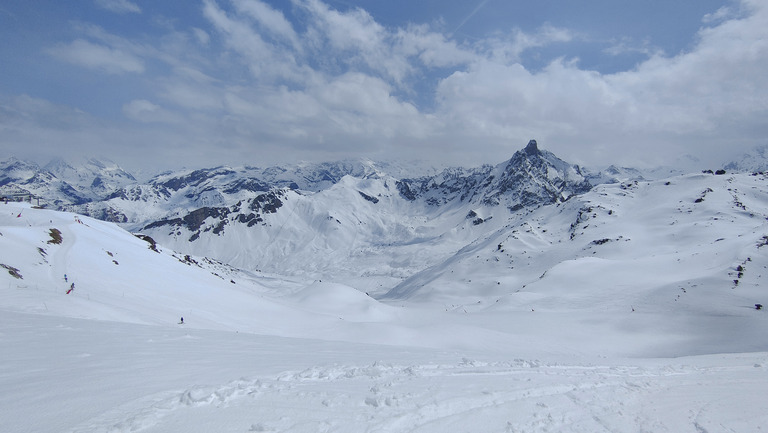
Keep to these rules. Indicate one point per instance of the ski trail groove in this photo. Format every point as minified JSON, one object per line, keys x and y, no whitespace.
{"x":381,"y":397}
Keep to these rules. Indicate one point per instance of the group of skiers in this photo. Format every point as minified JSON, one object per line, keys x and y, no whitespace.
{"x":71,"y":286}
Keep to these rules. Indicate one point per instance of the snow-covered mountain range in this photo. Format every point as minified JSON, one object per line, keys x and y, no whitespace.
{"x":363,"y":222}
{"x":61,"y":184}
{"x":531,"y":295}
{"x":105,"y":191}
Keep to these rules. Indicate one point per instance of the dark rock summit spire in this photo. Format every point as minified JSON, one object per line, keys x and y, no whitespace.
{"x":532,"y":148}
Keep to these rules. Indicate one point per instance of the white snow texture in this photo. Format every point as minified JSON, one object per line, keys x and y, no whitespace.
{"x":630,"y":308}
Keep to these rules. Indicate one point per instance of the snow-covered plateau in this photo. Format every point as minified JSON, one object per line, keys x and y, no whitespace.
{"x":625,"y":307}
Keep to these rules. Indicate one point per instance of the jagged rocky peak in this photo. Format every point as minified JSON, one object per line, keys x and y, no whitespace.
{"x":532,"y":148}
{"x":534,"y":177}
{"x":531,"y":177}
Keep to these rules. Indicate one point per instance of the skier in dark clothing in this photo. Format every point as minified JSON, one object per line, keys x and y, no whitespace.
{"x":182,"y":321}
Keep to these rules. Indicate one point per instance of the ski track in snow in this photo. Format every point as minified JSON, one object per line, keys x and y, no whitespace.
{"x":517,"y":396}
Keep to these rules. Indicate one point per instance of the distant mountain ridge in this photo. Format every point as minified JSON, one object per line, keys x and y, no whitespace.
{"x":322,"y":218}
{"x":354,"y":222}
{"x":101,"y":189}
{"x":312,"y":218}
{"x":61,"y":184}
{"x":104,"y":190}
{"x":756,"y":160}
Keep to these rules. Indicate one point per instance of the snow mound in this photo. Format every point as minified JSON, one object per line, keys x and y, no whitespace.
{"x":342,"y":301}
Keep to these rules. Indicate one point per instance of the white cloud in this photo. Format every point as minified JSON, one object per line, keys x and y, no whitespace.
{"x":20,"y":111}
{"x":357,"y":40}
{"x":354,"y":30}
{"x":270,"y":19}
{"x":341,"y":82}
{"x":692,"y":102}
{"x":507,"y":48}
{"x":362,"y":105}
{"x":193,"y":96}
{"x":119,"y":6}
{"x":267,"y":62}
{"x":430,"y":48}
{"x":333,"y":42}
{"x":201,"y":35}
{"x":350,"y":110}
{"x":627,"y":45}
{"x":37,"y":129}
{"x":95,"y":56}
{"x":719,"y":15}
{"x":145,"y":111}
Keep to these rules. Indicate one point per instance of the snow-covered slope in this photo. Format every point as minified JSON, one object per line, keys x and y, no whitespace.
{"x":69,"y":265}
{"x":110,"y":355}
{"x":348,"y":228}
{"x":690,"y":248}
{"x":695,"y":225}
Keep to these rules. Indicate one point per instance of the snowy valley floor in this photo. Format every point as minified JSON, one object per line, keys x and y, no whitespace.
{"x":62,"y":374}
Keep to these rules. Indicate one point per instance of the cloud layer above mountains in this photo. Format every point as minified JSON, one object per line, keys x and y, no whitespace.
{"x":250,"y":82}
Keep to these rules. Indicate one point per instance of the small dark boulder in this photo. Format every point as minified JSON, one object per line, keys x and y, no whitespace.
{"x":149,"y":240}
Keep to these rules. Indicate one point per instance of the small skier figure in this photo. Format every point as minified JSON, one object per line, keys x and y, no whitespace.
{"x":182,"y":321}
{"x":71,"y":288}
{"x":65,"y":278}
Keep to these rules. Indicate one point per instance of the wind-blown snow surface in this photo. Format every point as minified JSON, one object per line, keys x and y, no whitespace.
{"x":530,"y":328}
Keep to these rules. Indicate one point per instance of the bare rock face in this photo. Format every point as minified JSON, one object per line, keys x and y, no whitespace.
{"x":532,"y":148}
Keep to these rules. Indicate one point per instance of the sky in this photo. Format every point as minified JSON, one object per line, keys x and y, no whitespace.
{"x":199,"y":83}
